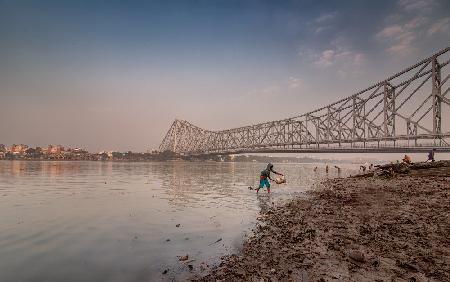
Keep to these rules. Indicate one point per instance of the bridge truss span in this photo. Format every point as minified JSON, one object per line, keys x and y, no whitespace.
{"x":408,"y":111}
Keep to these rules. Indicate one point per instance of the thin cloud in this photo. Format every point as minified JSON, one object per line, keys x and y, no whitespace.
{"x":280,"y":88}
{"x":344,"y":62}
{"x":274,"y":89}
{"x":294,"y":82}
{"x":359,"y":59}
{"x":416,"y":22}
{"x":323,"y":22}
{"x":401,"y":37}
{"x":326,"y":17}
{"x":441,"y":26}
{"x":413,"y":21}
{"x":403,"y":45}
{"x":321,"y":28}
{"x":330,"y":58}
{"x":417,"y":5}
{"x":326,"y":59}
{"x":267,"y":91}
{"x":390,"y":31}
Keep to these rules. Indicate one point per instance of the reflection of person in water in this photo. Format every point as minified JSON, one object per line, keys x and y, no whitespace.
{"x":264,"y":203}
{"x":265,"y":177}
{"x":338,"y":170}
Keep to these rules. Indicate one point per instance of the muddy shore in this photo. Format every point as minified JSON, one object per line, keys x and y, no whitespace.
{"x":354,"y":229}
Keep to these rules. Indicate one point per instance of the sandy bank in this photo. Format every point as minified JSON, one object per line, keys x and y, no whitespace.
{"x":353,"y":229}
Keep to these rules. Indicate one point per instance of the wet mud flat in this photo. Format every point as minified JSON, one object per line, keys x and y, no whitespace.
{"x":354,"y":229}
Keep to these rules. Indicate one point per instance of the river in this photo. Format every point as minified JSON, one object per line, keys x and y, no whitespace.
{"x":117,"y":221}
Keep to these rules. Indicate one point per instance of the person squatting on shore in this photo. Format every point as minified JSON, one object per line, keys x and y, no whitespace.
{"x":407,"y":159}
{"x":265,"y":175}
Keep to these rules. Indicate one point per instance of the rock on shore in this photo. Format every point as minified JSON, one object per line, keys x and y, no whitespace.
{"x":353,"y":229}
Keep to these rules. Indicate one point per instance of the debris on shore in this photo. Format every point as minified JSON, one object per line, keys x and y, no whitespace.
{"x":354,"y":229}
{"x":439,"y":168}
{"x":217,"y":241}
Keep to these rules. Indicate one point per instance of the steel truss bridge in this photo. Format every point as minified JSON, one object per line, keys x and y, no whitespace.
{"x":406,"y":112}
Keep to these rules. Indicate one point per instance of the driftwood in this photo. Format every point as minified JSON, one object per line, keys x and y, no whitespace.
{"x":396,"y":168}
{"x":413,"y":166}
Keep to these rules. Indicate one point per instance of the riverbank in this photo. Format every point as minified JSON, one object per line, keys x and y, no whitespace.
{"x":392,"y":228}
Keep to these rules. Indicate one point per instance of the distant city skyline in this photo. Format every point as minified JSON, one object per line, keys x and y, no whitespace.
{"x":114,"y":75}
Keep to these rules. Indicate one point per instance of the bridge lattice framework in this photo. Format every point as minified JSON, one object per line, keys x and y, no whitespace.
{"x":408,"y":111}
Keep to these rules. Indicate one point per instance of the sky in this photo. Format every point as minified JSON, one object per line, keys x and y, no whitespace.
{"x":113,"y":75}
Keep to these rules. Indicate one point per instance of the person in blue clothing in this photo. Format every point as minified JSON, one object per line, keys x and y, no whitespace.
{"x":265,"y":177}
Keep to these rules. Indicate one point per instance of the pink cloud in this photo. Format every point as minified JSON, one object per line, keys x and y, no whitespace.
{"x":417,"y":5}
{"x":443,"y":25}
{"x":390,"y":31}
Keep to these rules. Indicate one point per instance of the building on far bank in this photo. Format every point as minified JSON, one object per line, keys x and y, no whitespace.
{"x":2,"y":151}
{"x":18,"y":149}
{"x":79,"y":151}
{"x":33,"y":153}
{"x":55,"y":149}
{"x":114,"y":155}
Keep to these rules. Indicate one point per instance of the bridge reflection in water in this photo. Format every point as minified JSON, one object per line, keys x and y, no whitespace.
{"x":408,"y":111}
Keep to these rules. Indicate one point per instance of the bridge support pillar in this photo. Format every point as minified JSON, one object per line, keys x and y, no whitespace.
{"x":359,"y":132}
{"x":329,"y":124}
{"x":175,"y":139}
{"x":436,"y":96}
{"x":389,"y":110}
{"x":411,"y":130}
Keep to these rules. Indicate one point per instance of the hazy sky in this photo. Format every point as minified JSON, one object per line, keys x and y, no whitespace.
{"x":114,"y":74}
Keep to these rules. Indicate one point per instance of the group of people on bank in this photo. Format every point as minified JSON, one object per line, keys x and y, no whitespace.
{"x":264,"y":177}
{"x":407,"y":159}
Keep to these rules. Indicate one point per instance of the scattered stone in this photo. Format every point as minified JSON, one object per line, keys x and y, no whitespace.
{"x":178,"y":225}
{"x":375,"y":263}
{"x":406,"y":265}
{"x":183,"y":258}
{"x":357,"y":256}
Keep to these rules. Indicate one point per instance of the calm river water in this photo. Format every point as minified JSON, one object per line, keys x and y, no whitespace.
{"x":111,"y":221}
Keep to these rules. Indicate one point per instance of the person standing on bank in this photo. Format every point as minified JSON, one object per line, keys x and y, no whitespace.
{"x":431,"y":155}
{"x":265,"y":177}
